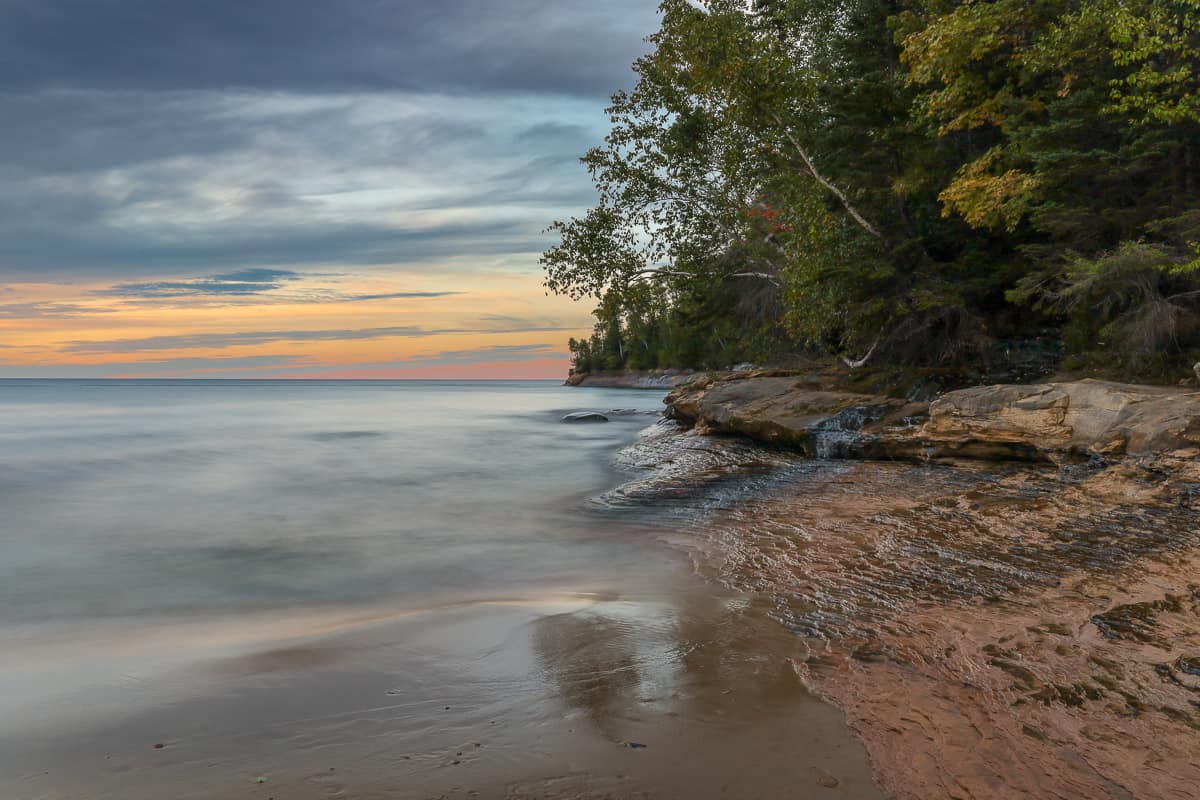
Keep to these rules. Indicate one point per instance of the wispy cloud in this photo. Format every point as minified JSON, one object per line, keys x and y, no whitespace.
{"x":243,"y":282}
{"x":231,"y":366}
{"x":393,"y":296}
{"x":195,"y":341}
{"x":500,"y":352}
{"x":48,"y":310}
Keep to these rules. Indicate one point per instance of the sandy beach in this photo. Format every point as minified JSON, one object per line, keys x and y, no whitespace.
{"x":678,"y":692}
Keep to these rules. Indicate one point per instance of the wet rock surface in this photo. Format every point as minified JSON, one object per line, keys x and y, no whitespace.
{"x":1022,"y":632}
{"x":1009,"y":608}
{"x":786,"y":411}
{"x":1046,"y":422}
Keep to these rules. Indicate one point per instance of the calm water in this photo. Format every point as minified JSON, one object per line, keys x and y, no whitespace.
{"x":171,"y":516}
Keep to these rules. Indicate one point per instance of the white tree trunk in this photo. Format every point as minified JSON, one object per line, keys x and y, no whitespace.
{"x":862,"y":361}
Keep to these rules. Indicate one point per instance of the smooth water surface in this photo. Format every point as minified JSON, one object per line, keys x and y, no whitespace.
{"x":159,"y":506}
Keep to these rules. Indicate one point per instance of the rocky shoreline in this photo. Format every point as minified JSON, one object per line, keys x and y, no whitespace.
{"x":632,"y":379}
{"x":1051,"y":422}
{"x":998,"y":586}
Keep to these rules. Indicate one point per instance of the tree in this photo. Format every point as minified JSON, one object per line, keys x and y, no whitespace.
{"x":915,"y":180}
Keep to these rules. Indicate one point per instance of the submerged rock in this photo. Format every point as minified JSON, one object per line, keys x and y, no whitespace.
{"x":585,"y":416}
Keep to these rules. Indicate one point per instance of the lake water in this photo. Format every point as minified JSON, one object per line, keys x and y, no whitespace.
{"x":204,"y":583}
{"x":174,"y":503}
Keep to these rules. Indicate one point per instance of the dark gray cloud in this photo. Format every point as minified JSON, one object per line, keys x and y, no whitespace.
{"x":259,"y":282}
{"x":572,"y":47}
{"x":209,"y":150}
{"x":101,"y":248}
{"x":242,"y":282}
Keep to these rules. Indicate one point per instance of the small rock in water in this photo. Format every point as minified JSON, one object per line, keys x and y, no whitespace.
{"x":585,"y":416}
{"x":828,"y":781}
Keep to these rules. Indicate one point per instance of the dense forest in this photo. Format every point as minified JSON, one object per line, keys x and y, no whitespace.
{"x":917,"y":182}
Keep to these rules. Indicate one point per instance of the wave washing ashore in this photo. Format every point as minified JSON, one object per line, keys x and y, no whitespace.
{"x":1011,"y":608}
{"x":225,"y":590}
{"x":384,"y":590}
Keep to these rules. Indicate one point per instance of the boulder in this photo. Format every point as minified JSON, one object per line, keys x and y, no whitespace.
{"x":585,"y":416}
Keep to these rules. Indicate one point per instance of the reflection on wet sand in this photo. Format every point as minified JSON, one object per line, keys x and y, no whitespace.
{"x":669,"y":691}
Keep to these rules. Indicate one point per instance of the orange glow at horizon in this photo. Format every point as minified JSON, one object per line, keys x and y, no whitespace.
{"x":498,"y":325}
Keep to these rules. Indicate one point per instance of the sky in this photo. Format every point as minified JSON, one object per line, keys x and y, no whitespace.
{"x":297,"y":188}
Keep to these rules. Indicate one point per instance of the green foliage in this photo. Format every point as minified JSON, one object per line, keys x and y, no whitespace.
{"x":1137,"y":303}
{"x":916,"y":178}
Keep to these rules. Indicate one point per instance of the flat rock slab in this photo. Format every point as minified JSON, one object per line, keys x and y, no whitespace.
{"x":1002,"y":422}
{"x":788,"y":412}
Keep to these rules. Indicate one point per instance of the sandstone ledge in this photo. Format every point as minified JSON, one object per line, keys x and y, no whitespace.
{"x":1051,"y":421}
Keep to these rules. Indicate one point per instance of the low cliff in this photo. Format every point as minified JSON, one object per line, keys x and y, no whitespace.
{"x":1050,"y":421}
{"x":631,"y":379}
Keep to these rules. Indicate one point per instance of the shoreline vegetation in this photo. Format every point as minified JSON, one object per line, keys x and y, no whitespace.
{"x":1001,"y":189}
{"x":968,"y":235}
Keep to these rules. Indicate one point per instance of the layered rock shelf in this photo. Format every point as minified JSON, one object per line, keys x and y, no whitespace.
{"x":1040,"y":422}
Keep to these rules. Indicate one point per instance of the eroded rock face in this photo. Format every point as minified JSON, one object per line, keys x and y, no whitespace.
{"x":1004,"y":422}
{"x":1086,"y":417}
{"x":630,"y":379}
{"x":783,"y":411}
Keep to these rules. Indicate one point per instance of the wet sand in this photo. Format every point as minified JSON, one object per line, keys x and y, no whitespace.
{"x":992,"y":632}
{"x":674,"y":691}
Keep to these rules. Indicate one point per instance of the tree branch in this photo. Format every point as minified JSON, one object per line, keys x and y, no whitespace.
{"x":766,"y":276}
{"x":862,"y":361}
{"x":821,"y":179}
